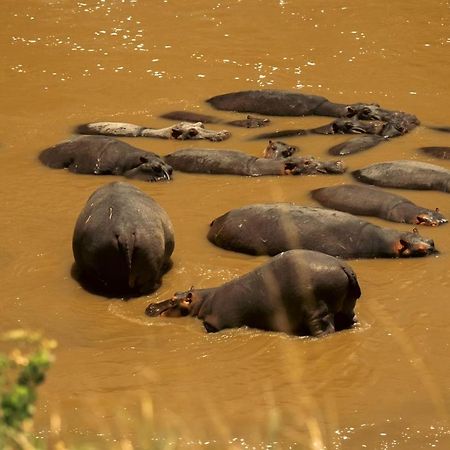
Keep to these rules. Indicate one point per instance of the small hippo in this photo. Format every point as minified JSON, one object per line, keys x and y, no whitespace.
{"x":180,"y":131}
{"x":372,"y":201}
{"x":122,"y":242}
{"x":437,"y":152}
{"x":232,"y":162}
{"x":269,"y":229}
{"x":279,"y":150}
{"x":406,"y":175}
{"x":298,"y":292}
{"x":101,"y":155}
{"x":356,"y":145}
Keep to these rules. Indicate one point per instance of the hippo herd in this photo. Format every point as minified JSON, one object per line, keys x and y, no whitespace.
{"x":123,"y":240}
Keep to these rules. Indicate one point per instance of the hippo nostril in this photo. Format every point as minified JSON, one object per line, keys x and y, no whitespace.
{"x":192,"y":132}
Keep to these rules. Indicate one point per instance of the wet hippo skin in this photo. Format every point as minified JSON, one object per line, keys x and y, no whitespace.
{"x":298,"y":292}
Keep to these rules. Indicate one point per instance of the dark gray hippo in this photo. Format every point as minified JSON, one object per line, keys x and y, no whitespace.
{"x":356,"y":145}
{"x":181,"y":131}
{"x":372,"y":201}
{"x":100,"y":155}
{"x":298,"y":292}
{"x":269,"y":229}
{"x":437,"y":152}
{"x":122,"y":242}
{"x":406,"y":175}
{"x":233,"y":162}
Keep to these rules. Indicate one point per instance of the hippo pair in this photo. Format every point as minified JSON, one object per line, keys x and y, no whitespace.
{"x":105,"y":155}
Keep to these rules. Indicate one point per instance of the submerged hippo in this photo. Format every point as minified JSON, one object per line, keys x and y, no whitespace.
{"x":279,"y":150}
{"x":437,"y":152}
{"x":269,"y":229}
{"x":100,"y":155}
{"x":406,"y":175}
{"x":356,"y":145}
{"x":180,"y":131}
{"x":371,"y":201}
{"x":123,"y":241}
{"x":189,"y":116}
{"x":298,"y":292}
{"x":232,"y":162}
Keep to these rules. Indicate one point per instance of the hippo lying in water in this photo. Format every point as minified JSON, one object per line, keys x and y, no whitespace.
{"x":437,"y":152}
{"x":405,"y":175}
{"x":371,"y":201}
{"x":269,"y":229}
{"x":298,"y":292}
{"x":122,"y":242}
{"x":232,"y":162}
{"x":180,"y":131}
{"x":100,"y":155}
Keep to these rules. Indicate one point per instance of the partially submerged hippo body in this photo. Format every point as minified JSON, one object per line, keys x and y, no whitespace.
{"x":269,"y":229}
{"x":372,"y":201}
{"x":406,"y":175}
{"x":122,"y":242}
{"x":437,"y":152}
{"x":100,"y":155}
{"x":298,"y":292}
{"x":356,"y":145}
{"x":181,"y":131}
{"x":232,"y":162}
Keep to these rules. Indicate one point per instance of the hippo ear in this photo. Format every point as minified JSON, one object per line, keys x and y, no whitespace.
{"x":189,"y":297}
{"x":143,"y":159}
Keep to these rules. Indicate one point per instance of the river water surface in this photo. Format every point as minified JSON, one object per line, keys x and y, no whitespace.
{"x":124,"y":380}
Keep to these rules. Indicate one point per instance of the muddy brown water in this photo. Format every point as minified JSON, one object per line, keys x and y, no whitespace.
{"x":123,"y":380}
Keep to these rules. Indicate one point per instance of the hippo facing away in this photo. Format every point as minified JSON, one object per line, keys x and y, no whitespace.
{"x":298,"y":292}
{"x":122,"y":242}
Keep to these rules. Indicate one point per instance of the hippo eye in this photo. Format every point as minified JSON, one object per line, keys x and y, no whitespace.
{"x":173,"y":302}
{"x":192,"y":132}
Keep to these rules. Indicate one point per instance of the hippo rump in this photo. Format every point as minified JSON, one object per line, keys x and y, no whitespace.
{"x":298,"y":292}
{"x":181,"y":131}
{"x":371,"y":201}
{"x":269,"y":229}
{"x":100,"y":155}
{"x":232,"y":162}
{"x":122,"y":242}
{"x":406,"y":175}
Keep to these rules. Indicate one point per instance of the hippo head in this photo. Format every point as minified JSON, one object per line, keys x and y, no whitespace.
{"x":178,"y":306}
{"x":412,"y":244}
{"x":150,"y":170}
{"x":279,"y":150}
{"x":431,"y":218}
{"x":363,"y":111}
{"x":309,"y":166}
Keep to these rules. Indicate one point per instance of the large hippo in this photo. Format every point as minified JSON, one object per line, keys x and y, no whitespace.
{"x":298,"y":292}
{"x":232,"y":162}
{"x":181,"y":131}
{"x":100,"y":155}
{"x":406,"y":175}
{"x":372,"y":201}
{"x":269,"y":229}
{"x":122,"y":242}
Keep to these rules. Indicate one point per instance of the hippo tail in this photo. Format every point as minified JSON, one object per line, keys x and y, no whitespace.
{"x":126,"y":249}
{"x":354,"y":291}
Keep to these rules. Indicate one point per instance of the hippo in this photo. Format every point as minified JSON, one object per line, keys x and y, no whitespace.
{"x":405,"y":174}
{"x":122,"y":242}
{"x":269,"y":229}
{"x":339,"y":126}
{"x":101,"y":155}
{"x":356,"y":145}
{"x":189,"y":116}
{"x":437,"y":152}
{"x":180,"y":131}
{"x":279,"y":150}
{"x":372,"y":201}
{"x":298,"y":292}
{"x":233,"y":162}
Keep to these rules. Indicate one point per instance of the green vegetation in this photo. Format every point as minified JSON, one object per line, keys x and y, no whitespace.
{"x":22,"y":370}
